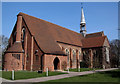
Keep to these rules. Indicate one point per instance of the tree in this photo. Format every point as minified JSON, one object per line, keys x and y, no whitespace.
{"x":3,"y":47}
{"x":4,"y":42}
{"x":86,"y":59}
{"x":114,"y":52}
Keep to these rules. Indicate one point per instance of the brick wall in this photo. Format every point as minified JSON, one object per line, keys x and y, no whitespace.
{"x":31,"y":47}
{"x":49,"y":62}
{"x":37,"y":57}
{"x":71,"y":48}
{"x":27,"y":48}
{"x":12,"y":63}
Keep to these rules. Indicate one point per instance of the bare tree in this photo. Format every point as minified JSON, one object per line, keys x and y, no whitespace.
{"x":4,"y":42}
{"x":114,"y":52}
{"x":3,"y":47}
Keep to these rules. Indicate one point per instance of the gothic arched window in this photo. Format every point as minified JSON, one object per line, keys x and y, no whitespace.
{"x":14,"y":36}
{"x":74,"y":55}
{"x":79,"y":54}
{"x":23,"y":34}
{"x":67,"y":53}
{"x":107,"y":54}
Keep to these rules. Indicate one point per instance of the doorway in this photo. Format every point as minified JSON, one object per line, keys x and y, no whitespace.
{"x":56,"y":63}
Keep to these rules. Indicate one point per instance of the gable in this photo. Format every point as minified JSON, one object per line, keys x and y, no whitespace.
{"x":93,"y":42}
{"x":47,"y":34}
{"x":106,"y":42}
{"x":16,"y":47}
{"x":97,"y":34}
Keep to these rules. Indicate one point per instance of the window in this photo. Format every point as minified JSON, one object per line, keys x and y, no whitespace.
{"x":67,"y":53}
{"x":79,"y":54}
{"x":14,"y":36}
{"x":27,"y":57}
{"x":107,"y":54}
{"x":23,"y":37}
{"x":23,"y":34}
{"x":17,"y":56}
{"x":74,"y":55}
{"x":37,"y":58}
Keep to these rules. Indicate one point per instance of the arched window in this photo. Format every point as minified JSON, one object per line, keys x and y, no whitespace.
{"x":14,"y":36}
{"x":67,"y":53}
{"x":23,"y":37}
{"x":74,"y":55}
{"x":23,"y":34}
{"x":79,"y":54}
{"x":107,"y":54}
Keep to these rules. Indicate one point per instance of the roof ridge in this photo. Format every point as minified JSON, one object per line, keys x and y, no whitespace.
{"x":95,"y":33}
{"x":105,"y":37}
{"x":95,"y":37}
{"x":48,"y":22}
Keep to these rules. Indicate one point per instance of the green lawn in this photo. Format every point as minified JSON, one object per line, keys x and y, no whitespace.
{"x":108,"y":76}
{"x":27,"y":74}
{"x":82,"y":69}
{"x":0,"y":67}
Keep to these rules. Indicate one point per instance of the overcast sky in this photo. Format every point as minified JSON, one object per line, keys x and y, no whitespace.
{"x":99,"y":16}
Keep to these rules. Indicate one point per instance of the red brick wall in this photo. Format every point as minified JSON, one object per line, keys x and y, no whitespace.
{"x":37,"y":62}
{"x":100,"y":56}
{"x":19,"y":28}
{"x":32,"y":63}
{"x":12,"y":63}
{"x":70,"y":47}
{"x":49,"y":61}
{"x":27,"y":45}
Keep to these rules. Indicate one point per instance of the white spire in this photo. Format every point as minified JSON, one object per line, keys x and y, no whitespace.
{"x":82,"y":23}
{"x":82,"y":17}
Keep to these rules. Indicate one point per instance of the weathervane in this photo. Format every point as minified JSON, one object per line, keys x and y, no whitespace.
{"x":81,"y":5}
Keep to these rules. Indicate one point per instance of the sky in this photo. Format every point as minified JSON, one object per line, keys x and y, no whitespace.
{"x":99,"y":16}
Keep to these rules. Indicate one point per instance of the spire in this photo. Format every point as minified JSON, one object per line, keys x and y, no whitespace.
{"x":82,"y":17}
{"x":82,"y":23}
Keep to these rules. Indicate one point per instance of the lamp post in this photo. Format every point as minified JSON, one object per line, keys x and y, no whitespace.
{"x":68,"y":69}
{"x":79,"y":66}
{"x":47,"y":72}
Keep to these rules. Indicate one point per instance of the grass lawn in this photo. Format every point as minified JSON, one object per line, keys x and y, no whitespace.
{"x":27,"y":74}
{"x":82,"y":69}
{"x":107,"y":76}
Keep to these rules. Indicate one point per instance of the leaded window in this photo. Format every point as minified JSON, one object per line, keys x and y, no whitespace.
{"x":107,"y":54}
{"x":23,"y":34}
{"x":79,"y":54}
{"x":74,"y":55}
{"x":67,"y":53}
{"x":23,"y":37}
{"x":37,"y":57}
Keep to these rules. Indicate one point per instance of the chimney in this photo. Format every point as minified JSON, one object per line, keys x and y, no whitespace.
{"x":19,"y":28}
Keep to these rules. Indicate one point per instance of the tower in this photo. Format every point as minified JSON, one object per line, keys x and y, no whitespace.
{"x":82,"y":23}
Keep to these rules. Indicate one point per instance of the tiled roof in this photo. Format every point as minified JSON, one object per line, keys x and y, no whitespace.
{"x":93,"y":42}
{"x":47,"y":34}
{"x":16,"y":47}
{"x":97,"y":34}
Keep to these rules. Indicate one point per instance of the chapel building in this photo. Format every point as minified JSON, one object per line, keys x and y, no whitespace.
{"x":36,"y":44}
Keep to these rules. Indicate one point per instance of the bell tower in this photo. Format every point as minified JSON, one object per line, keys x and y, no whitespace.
{"x":82,"y":23}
